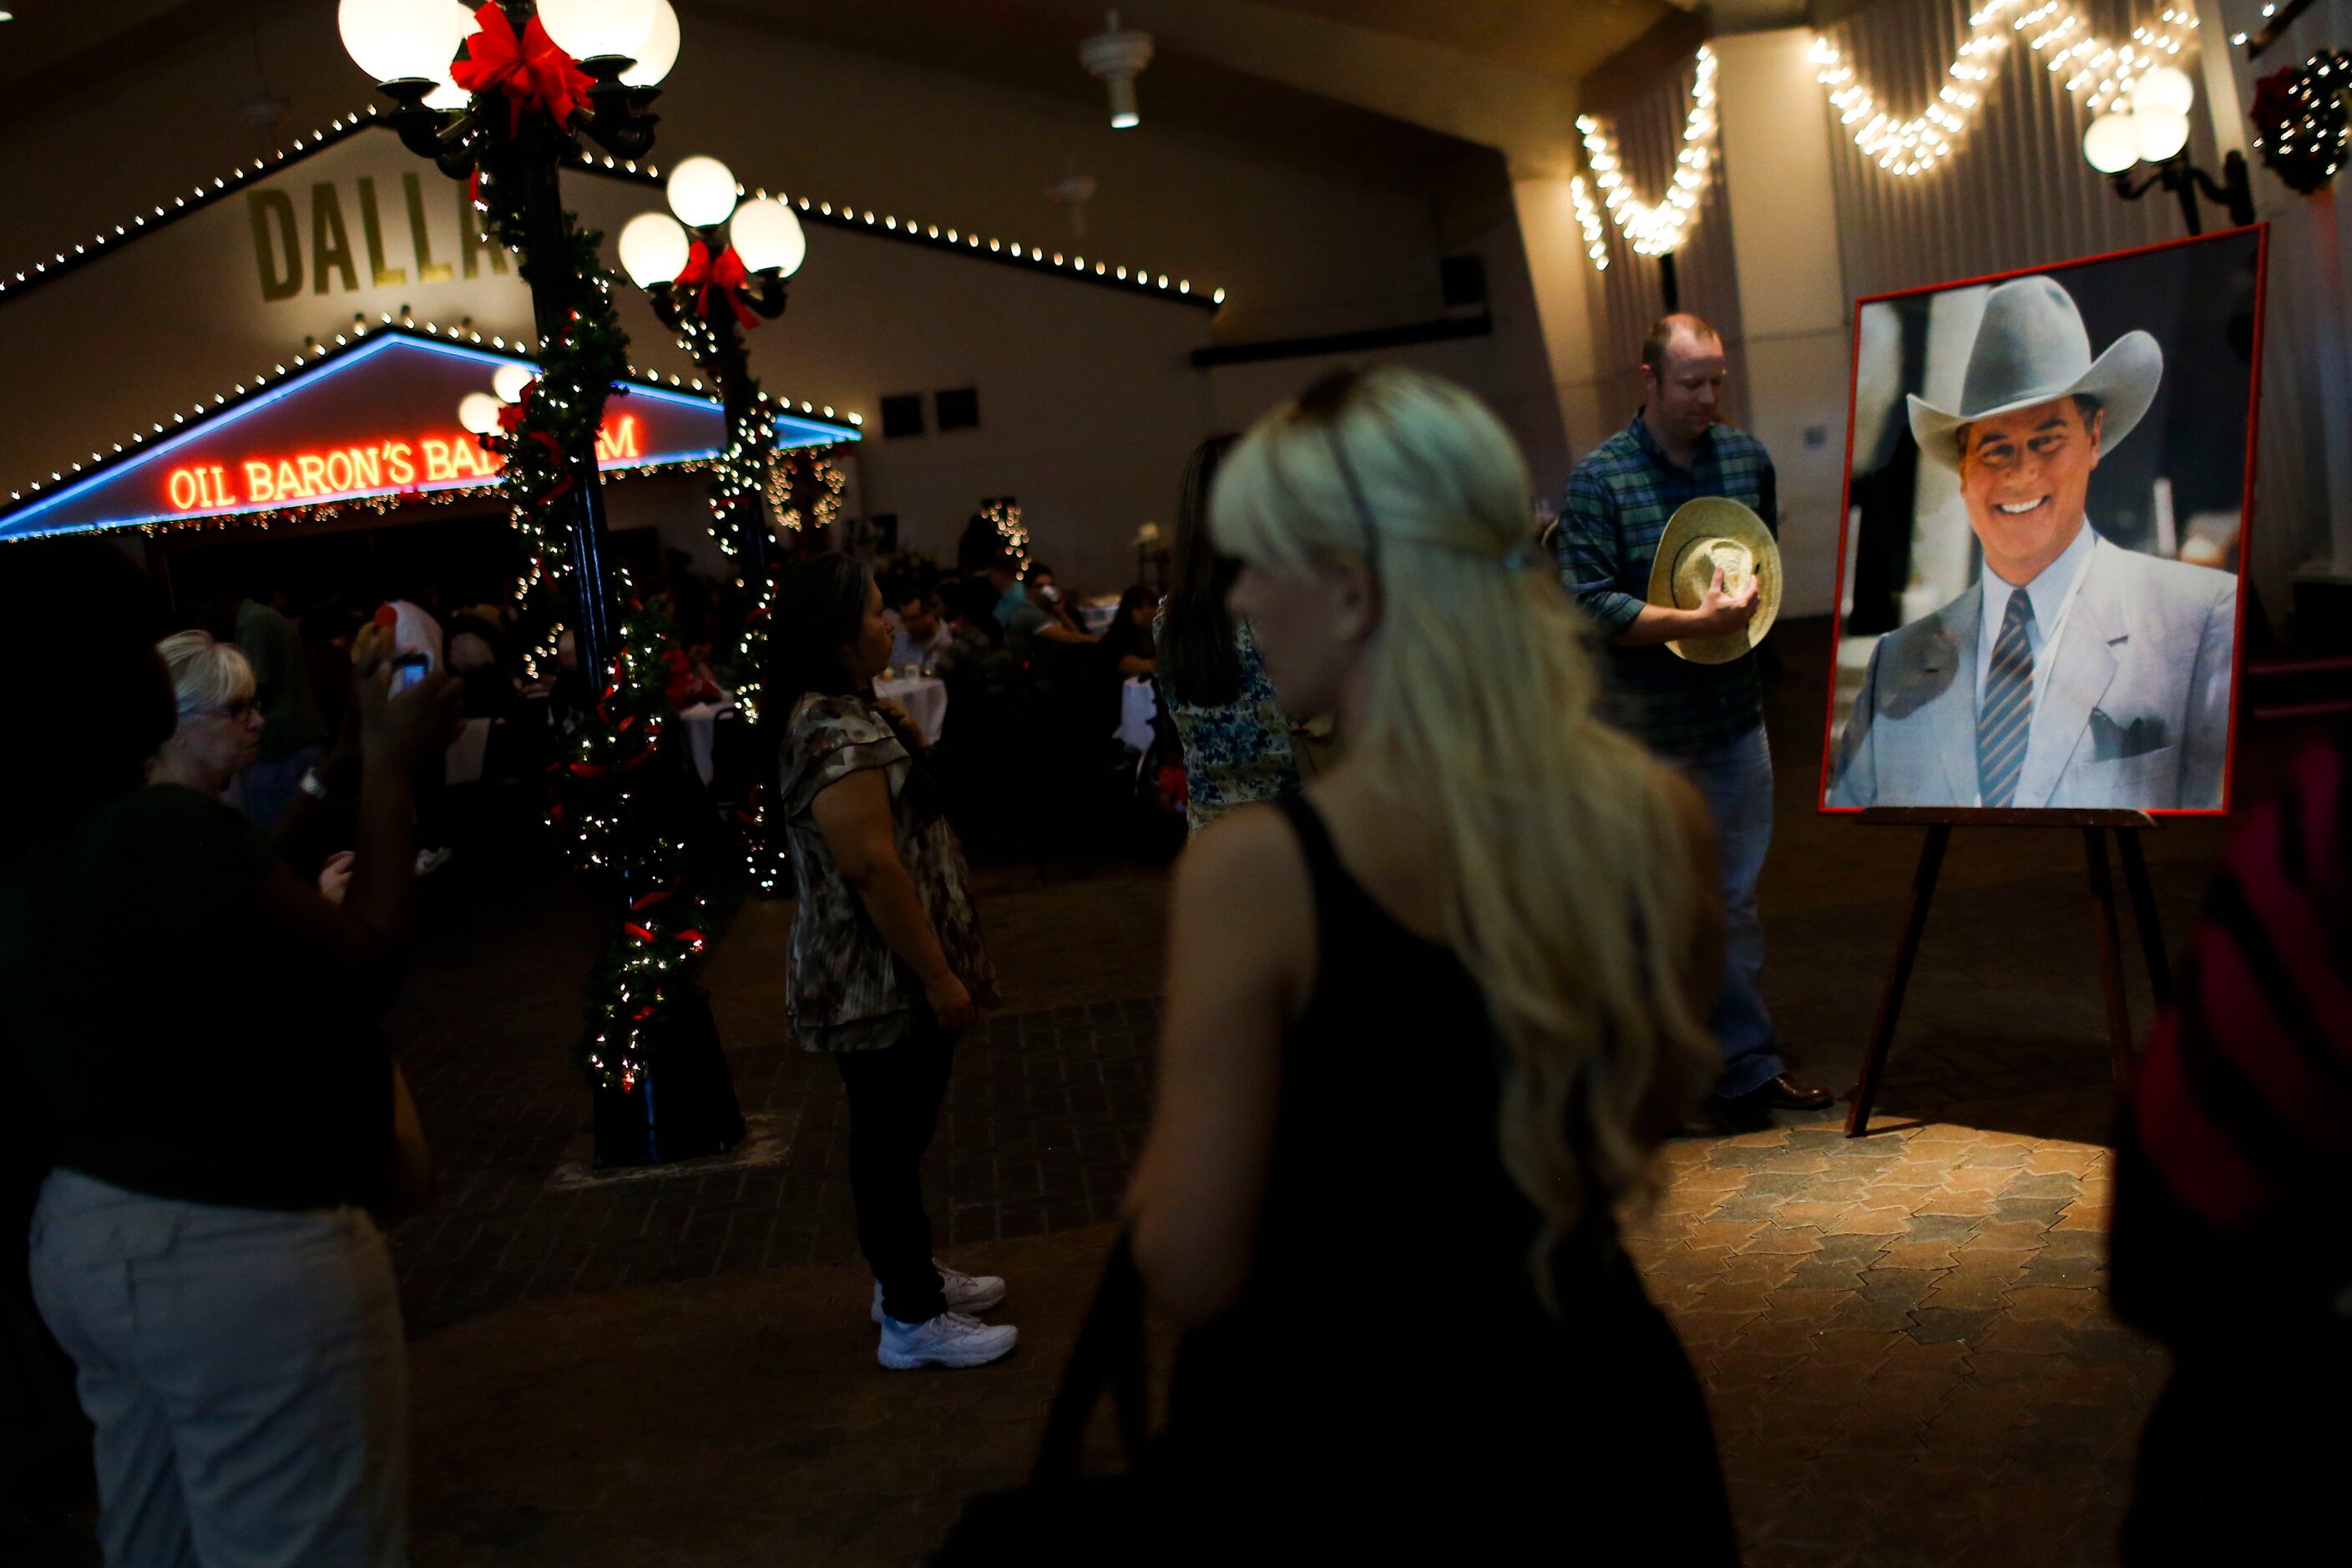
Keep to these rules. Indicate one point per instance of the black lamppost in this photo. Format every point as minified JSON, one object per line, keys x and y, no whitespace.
{"x":521,"y":130}
{"x":709,"y":272}
{"x":506,"y":116}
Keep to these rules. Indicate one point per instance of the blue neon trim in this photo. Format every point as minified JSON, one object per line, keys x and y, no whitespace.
{"x":228,"y":416}
{"x":13,"y":522}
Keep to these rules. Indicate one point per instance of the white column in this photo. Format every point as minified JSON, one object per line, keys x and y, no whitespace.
{"x":1566,"y":293}
{"x":1792,"y":307}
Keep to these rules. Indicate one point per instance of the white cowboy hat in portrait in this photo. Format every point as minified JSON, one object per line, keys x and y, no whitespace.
{"x":2073,"y":672}
{"x":2031,"y":348}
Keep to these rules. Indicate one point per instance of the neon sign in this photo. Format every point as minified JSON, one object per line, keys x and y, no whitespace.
{"x":370,"y":422}
{"x":364,"y":469}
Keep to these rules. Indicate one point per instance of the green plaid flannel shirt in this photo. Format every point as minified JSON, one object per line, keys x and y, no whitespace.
{"x":1615,"y":512}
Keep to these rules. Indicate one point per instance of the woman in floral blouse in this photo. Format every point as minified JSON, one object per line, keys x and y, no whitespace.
{"x":1235,"y":737}
{"x":887,"y":962}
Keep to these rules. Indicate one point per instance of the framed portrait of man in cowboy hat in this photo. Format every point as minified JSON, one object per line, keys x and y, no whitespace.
{"x":2047,"y":493}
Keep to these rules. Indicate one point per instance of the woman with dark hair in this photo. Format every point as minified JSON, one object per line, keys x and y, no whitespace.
{"x":888,"y":965}
{"x":1235,"y":737}
{"x":1126,"y":644}
{"x":217,"y":1121}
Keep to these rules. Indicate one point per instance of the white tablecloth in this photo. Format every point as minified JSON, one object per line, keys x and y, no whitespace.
{"x":925,"y":699}
{"x":464,"y":762}
{"x":1139,"y":705}
{"x":701,"y":724}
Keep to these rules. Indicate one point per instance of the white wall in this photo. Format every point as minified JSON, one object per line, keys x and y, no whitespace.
{"x":1792,"y":305}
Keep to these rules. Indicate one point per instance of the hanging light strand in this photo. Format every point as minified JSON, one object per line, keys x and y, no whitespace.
{"x":2058,"y":36}
{"x":1660,"y":228}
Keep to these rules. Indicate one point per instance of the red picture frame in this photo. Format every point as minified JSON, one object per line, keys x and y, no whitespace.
{"x":2260,"y":232}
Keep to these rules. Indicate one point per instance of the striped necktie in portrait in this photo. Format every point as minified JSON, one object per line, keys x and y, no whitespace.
{"x":2006,"y":713}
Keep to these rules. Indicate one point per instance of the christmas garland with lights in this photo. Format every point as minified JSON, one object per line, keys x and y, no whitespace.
{"x":648,"y":961}
{"x":2302,"y":121}
{"x":603,"y":792}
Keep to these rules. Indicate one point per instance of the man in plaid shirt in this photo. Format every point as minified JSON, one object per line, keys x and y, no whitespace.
{"x":1706,"y":719}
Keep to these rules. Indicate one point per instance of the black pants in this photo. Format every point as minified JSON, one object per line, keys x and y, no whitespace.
{"x":894,"y":1105}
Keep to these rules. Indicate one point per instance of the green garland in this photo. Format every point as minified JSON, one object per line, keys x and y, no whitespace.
{"x":598,"y":792}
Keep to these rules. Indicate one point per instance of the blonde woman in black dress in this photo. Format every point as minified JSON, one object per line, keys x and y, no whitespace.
{"x":1425,"y":1026}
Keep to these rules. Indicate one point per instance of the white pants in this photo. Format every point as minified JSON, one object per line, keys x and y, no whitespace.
{"x":246,"y":1373}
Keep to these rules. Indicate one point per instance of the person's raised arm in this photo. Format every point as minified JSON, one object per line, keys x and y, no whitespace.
{"x":1057,"y":631}
{"x":356,"y":946}
{"x":854,"y":817}
{"x":1233,"y":986}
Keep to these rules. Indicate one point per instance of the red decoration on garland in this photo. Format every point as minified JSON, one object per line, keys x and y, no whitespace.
{"x":511,"y":416}
{"x":532,"y":71}
{"x":726,"y":272}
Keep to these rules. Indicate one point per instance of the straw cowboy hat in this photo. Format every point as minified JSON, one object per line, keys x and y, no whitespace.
{"x":1704,"y":534}
{"x":2031,"y":348}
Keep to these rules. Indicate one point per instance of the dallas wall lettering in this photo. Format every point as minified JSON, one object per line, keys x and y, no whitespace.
{"x":331,"y":265}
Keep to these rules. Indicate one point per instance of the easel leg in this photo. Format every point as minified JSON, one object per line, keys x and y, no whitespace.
{"x":2143,"y":897}
{"x":1890,"y":1002}
{"x":2111,"y":963}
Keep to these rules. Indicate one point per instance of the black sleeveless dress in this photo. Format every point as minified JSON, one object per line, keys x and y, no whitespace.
{"x":1389,"y":1377}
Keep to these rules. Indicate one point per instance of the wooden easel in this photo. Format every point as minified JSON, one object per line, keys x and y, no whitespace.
{"x":1940,"y":822}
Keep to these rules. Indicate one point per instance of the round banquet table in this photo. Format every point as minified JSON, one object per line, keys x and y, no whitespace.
{"x":701,"y":720}
{"x":925,"y":699}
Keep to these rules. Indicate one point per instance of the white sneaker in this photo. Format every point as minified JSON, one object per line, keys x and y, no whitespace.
{"x":951,"y":1339}
{"x":964,"y":1292}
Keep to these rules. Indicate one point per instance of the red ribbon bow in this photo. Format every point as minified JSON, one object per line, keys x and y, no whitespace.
{"x":511,"y":416}
{"x":726,"y":272}
{"x":532,"y":71}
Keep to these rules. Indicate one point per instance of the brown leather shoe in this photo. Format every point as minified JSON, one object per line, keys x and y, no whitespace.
{"x":1782,"y":1095}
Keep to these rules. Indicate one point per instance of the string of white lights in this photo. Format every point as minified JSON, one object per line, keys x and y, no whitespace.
{"x":239,"y":176}
{"x":2098,"y":72}
{"x":1660,"y":228}
{"x":1588,"y":218}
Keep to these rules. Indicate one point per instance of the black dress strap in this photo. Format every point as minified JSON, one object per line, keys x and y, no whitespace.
{"x":1325,"y":874}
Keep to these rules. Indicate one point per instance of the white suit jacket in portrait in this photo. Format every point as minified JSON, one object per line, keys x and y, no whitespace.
{"x":2135,"y":716}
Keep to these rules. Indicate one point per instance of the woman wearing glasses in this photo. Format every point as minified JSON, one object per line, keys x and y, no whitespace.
{"x":217,"y":730}
{"x":211,"y":1118}
{"x":1400,"y":1102}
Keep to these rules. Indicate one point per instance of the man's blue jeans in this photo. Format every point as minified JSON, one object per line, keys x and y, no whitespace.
{"x":1737,"y":781}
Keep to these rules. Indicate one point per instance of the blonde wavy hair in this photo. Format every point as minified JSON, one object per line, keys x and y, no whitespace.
{"x":207,"y":674}
{"x":1571,"y":891}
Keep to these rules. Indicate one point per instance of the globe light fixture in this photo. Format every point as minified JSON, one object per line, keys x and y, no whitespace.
{"x":510,"y":379}
{"x":659,"y":52}
{"x":767,"y":235}
{"x":653,"y":250}
{"x":2159,"y":133}
{"x":2111,"y":144}
{"x":478,"y":412}
{"x":701,"y":191}
{"x":403,"y":40}
{"x":2166,"y":87}
{"x":2152,"y":127}
{"x":590,"y":29}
